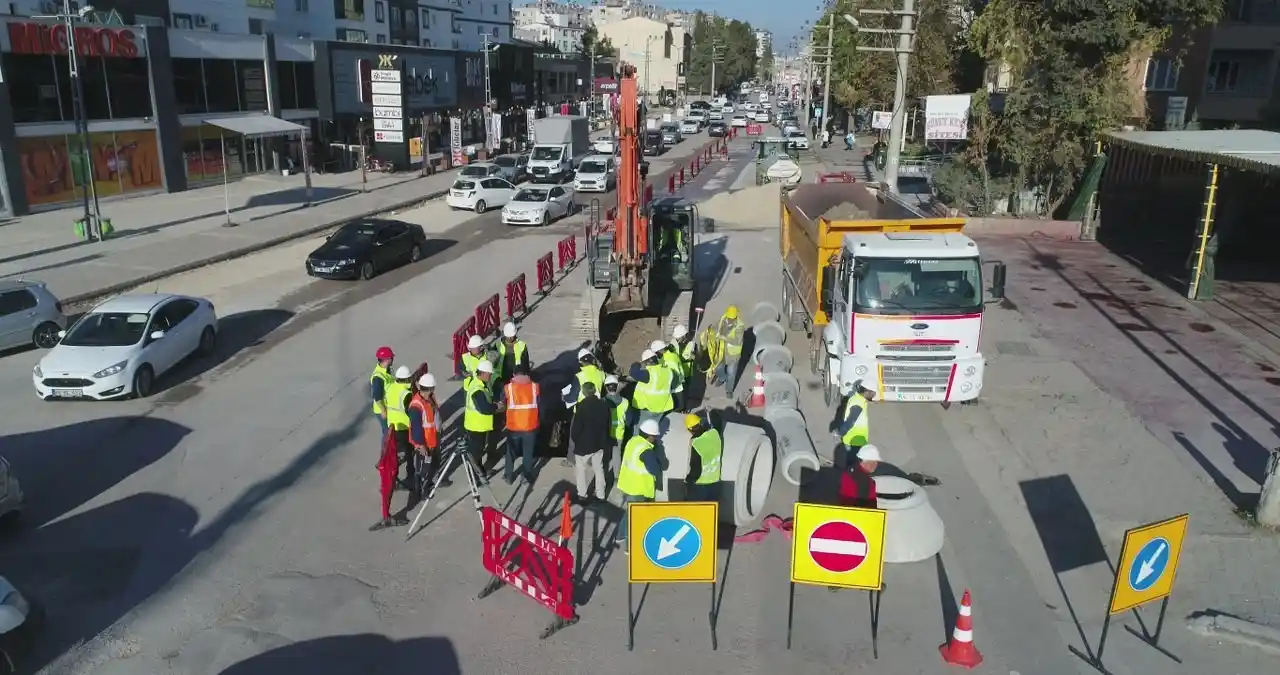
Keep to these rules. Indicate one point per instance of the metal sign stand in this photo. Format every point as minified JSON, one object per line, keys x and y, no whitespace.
{"x":873,"y":602}
{"x":475,"y":480}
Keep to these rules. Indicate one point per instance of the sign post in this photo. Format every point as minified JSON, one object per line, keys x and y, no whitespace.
{"x":838,"y":547}
{"x":677,"y":544}
{"x":1148,"y":566}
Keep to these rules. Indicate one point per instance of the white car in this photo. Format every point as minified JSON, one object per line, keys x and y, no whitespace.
{"x":538,"y":205}
{"x":698,"y":116}
{"x":738,"y":121}
{"x":715,"y":115}
{"x":479,"y":195}
{"x":478,"y":170}
{"x":797,"y":139}
{"x":689,"y":127}
{"x":762,"y":117}
{"x":597,"y":173}
{"x":121,"y":347}
{"x":726,"y":108}
{"x":603,"y":146}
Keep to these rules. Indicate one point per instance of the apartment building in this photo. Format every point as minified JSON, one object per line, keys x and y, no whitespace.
{"x":657,"y":50}
{"x":558,"y":24}
{"x":606,"y":12}
{"x":764,"y":43}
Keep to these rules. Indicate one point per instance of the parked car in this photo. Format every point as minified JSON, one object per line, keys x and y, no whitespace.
{"x":19,"y":620}
{"x":513,"y":167}
{"x":479,"y":194}
{"x":671,"y":134}
{"x":797,"y":139}
{"x":119,"y":348}
{"x":603,"y":146}
{"x":538,"y":205}
{"x":597,"y":173}
{"x":716,"y":129}
{"x":29,"y":314}
{"x":738,"y":121}
{"x":365,"y":248}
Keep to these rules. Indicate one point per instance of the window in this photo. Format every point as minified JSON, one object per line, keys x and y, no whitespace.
{"x":182,"y":21}
{"x":1162,"y":75}
{"x":396,"y":18}
{"x":34,"y":90}
{"x":426,"y":18}
{"x":381,"y":39}
{"x":301,"y":6}
{"x":296,"y":82}
{"x":410,"y":18}
{"x":1223,"y":77}
{"x":257,"y":26}
{"x":495,"y":31}
{"x":380,"y":12}
{"x":188,"y":86}
{"x":221,"y":86}
{"x":352,"y":35}
{"x":12,"y":302}
{"x":251,"y":76}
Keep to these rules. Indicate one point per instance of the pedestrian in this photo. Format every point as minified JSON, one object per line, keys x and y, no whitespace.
{"x":378,"y":388}
{"x":855,"y":422}
{"x":424,"y":432}
{"x":477,"y":416}
{"x":521,"y":396}
{"x":703,"y":482}
{"x":472,"y":357}
{"x":654,"y":381}
{"x":513,"y":354}
{"x":730,"y":333}
{"x":592,"y":434}
{"x":857,"y":485}
{"x":826,"y":138}
{"x":638,"y":473}
{"x":621,"y":414}
{"x":848,"y":140}
{"x":396,"y":447}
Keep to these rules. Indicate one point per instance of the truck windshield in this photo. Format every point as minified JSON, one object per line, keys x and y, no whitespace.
{"x":912,"y":285}
{"x":546,"y":153}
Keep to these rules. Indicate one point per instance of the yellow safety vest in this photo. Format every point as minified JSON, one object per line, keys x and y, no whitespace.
{"x":731,"y":331}
{"x":520,"y":349}
{"x":633,"y":478}
{"x":470,"y":362}
{"x":593,"y":375}
{"x":472,"y":419}
{"x":709,"y":447}
{"x":672,"y":360}
{"x":861,"y":431}
{"x":397,"y":416}
{"x":620,"y":418}
{"x":380,"y":373}
{"x":686,"y":356}
{"x":655,"y":395}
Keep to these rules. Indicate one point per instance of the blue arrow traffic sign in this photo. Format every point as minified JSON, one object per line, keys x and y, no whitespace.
{"x":1149,"y":565}
{"x":672,"y":543}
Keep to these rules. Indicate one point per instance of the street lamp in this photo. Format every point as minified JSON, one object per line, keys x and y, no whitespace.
{"x":489,"y":103}
{"x":89,"y":196}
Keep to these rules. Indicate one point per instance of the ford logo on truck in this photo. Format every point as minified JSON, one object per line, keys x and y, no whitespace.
{"x":919,"y":326}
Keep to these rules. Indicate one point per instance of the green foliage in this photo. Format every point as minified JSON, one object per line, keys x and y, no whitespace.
{"x":735,"y":43}
{"x":591,"y":38}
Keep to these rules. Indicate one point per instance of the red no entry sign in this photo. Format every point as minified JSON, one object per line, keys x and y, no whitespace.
{"x":837,"y":546}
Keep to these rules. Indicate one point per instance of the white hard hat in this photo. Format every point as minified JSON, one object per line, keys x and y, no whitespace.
{"x":610,"y":379}
{"x":869,"y":453}
{"x":650,"y":428}
{"x":484,"y":367}
{"x":509,"y":330}
{"x":475,"y":342}
{"x":679,"y":331}
{"x":403,"y":373}
{"x":657,"y":346}
{"x":583,"y":353}
{"x":427,"y":380}
{"x":646,"y":355}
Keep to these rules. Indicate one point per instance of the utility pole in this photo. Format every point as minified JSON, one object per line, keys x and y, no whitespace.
{"x":591,"y":86}
{"x":489,"y":134}
{"x":716,"y":55}
{"x":826,"y":78}
{"x":906,"y":34}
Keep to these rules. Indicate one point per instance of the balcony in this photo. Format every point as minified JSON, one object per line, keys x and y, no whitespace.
{"x":348,"y":10}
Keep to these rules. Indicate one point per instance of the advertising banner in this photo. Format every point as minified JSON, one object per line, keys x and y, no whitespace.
{"x":946,"y":117}
{"x":455,"y":141}
{"x":56,"y":169}
{"x":530,"y":116}
{"x":494,"y":127}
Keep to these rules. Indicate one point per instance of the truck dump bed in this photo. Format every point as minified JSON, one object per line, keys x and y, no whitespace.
{"x":814,"y":218}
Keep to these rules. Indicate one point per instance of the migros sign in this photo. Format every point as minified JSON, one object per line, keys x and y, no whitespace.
{"x":53,"y":39}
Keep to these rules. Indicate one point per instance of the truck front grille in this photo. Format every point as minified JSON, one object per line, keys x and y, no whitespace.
{"x":916,"y":379}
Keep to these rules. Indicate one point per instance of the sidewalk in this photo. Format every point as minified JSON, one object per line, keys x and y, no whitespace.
{"x":166,"y":233}
{"x":915,"y":191}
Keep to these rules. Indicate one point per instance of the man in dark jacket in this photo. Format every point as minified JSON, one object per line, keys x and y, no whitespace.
{"x":592,"y":433}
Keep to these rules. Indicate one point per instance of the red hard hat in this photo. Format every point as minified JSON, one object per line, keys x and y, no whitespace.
{"x":384,"y":353}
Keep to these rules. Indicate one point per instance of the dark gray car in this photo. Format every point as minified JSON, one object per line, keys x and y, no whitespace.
{"x":29,"y":314}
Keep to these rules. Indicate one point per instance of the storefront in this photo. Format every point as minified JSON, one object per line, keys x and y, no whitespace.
{"x":147,"y":92}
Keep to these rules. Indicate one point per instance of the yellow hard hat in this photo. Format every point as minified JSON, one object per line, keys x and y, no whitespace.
{"x":731,"y":312}
{"x":692,"y":420}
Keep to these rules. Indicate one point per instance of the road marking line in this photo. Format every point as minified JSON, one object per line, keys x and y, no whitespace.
{"x":837,"y":547}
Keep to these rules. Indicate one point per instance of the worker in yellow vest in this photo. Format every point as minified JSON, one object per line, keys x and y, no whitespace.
{"x":477,"y":416}
{"x":855,"y":423}
{"x":512,"y":353}
{"x":588,"y":371}
{"x":639,"y":471}
{"x":621,"y":412}
{"x":472,"y":357}
{"x":703,"y":482}
{"x":730,"y":332}
{"x":378,"y":388}
{"x":670,"y":358}
{"x":654,"y":382}
{"x":398,"y":449}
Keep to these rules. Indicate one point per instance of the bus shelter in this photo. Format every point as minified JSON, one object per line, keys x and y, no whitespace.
{"x":1193,"y":207}
{"x":259,"y":126}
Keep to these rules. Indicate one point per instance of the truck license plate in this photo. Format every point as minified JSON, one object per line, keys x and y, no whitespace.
{"x":69,"y":393}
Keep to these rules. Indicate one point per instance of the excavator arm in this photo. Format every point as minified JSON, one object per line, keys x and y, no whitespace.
{"x":632,"y":258}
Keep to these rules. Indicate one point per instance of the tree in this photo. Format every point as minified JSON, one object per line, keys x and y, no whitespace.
{"x":591,"y":38}
{"x":734,"y":44}
{"x":764,"y":66}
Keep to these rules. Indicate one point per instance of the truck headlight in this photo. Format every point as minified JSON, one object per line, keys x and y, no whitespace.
{"x":969,"y":372}
{"x":860,"y":371}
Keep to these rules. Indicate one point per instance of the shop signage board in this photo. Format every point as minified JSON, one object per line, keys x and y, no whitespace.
{"x":387,"y":95}
{"x":91,"y":40}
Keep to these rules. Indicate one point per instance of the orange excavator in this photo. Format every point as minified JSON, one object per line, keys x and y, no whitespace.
{"x":644,"y":257}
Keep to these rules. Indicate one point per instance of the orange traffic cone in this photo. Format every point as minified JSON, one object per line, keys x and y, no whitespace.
{"x":960,"y":650}
{"x":566,"y":520}
{"x":757,"y":391}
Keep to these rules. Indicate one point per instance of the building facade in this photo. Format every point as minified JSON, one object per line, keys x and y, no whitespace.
{"x":656,"y":49}
{"x":764,"y":43}
{"x":559,"y":25}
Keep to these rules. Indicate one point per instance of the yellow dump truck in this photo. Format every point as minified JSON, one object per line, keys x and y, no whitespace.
{"x":889,"y":298}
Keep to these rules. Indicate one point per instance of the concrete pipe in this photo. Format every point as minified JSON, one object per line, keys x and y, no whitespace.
{"x":796,"y":454}
{"x":746,"y":468}
{"x":773,"y":359}
{"x":764,"y":311}
{"x":769,"y":333}
{"x":781,"y":390}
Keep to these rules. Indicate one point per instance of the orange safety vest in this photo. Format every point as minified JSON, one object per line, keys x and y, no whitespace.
{"x":428,"y":420}
{"x":522,"y":406}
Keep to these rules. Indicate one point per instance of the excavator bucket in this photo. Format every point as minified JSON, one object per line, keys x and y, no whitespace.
{"x":627,"y":299}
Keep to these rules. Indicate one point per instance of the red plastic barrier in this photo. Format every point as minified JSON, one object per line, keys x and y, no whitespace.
{"x":837,"y":177}
{"x":724,"y":151}
{"x":528,"y":562}
{"x":754,"y":129}
{"x":488,"y":314}
{"x":460,"y":338}
{"x":546,"y":274}
{"x":517,"y":297}
{"x":567,"y":249}
{"x":697,"y":166}
{"x":706,"y":153}
{"x":671,"y":184}
{"x":682,"y":176}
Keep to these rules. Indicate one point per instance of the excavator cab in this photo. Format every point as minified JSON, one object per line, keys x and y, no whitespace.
{"x":673,"y":222}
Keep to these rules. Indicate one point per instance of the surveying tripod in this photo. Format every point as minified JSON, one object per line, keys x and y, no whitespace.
{"x":475,"y":480}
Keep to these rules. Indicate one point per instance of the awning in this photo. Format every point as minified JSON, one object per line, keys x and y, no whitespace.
{"x":257,"y":126}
